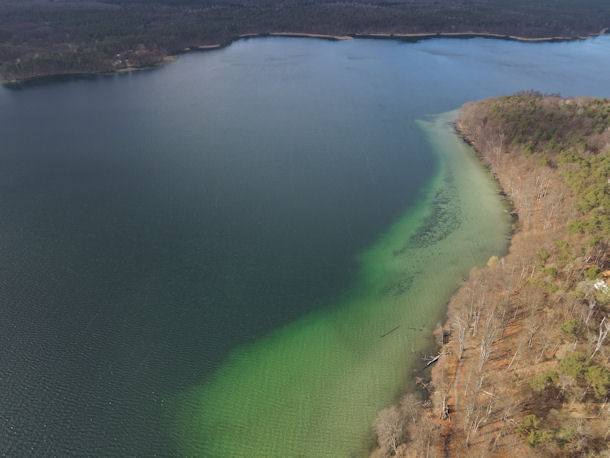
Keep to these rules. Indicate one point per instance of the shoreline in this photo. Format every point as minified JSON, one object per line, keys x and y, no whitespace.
{"x":406,"y":37}
{"x":451,"y":370}
{"x":445,"y":126}
{"x":517,"y":298}
{"x":453,"y":374}
{"x":406,"y":278}
{"x":424,"y":36}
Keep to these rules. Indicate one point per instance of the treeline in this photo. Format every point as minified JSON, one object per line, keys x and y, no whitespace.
{"x":570,"y":136}
{"x":525,"y":370}
{"x":75,"y":31}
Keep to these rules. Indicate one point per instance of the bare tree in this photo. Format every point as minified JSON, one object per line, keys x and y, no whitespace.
{"x":510,"y":406}
{"x":390,"y":428}
{"x":410,"y":407}
{"x":545,"y":335}
{"x":425,"y":434}
{"x":604,"y":328}
{"x":489,"y":334}
{"x":442,"y":387}
{"x":460,"y":325}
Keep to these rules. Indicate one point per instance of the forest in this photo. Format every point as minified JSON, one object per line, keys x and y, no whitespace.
{"x":54,"y":37}
{"x":524,"y":367}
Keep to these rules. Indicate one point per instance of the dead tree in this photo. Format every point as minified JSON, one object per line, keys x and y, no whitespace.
{"x":604,"y":328}
{"x":390,"y":429}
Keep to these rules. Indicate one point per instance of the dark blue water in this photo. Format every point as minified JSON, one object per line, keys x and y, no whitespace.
{"x":152,"y":222}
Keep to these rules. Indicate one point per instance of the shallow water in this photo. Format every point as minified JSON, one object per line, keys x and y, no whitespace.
{"x":202,"y":258}
{"x":312,"y":387}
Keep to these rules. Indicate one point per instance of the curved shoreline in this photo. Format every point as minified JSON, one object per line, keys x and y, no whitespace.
{"x":407,"y":37}
{"x":404,"y":282}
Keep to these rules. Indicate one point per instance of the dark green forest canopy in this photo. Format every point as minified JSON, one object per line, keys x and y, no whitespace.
{"x":43,"y":37}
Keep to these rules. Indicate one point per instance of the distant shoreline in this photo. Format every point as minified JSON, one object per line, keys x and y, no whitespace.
{"x":424,"y":36}
{"x":408,"y":37}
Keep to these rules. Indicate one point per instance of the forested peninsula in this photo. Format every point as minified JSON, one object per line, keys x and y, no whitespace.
{"x":525,"y":354}
{"x":57,"y":37}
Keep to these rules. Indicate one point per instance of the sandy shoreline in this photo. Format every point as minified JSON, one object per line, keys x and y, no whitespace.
{"x":411,"y":37}
{"x":419,"y":36}
{"x":423,"y":36}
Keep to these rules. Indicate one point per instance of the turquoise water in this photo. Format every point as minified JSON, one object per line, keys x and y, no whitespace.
{"x":203,"y":258}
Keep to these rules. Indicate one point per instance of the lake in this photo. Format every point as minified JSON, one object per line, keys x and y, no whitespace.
{"x":244,"y":252}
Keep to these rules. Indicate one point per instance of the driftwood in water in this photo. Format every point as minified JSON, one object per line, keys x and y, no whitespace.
{"x":435,"y":359}
{"x":390,"y":331}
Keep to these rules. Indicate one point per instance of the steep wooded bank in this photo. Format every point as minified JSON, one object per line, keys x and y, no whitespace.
{"x":54,"y":37}
{"x":524,"y":370}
